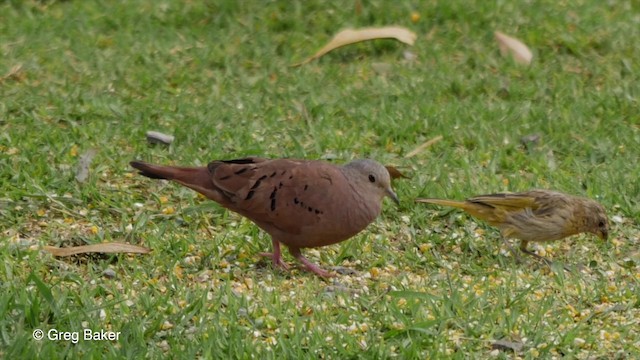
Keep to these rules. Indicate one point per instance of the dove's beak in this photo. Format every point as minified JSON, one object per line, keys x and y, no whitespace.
{"x":392,"y":195}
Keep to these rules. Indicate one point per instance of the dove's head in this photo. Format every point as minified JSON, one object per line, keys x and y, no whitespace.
{"x":373,"y":177}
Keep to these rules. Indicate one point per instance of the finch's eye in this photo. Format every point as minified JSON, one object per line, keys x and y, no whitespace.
{"x":372,"y":178}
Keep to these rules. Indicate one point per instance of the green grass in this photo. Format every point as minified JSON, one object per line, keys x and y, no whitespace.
{"x":431,"y":283}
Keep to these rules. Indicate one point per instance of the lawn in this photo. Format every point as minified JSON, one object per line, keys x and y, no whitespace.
{"x":426,"y":282}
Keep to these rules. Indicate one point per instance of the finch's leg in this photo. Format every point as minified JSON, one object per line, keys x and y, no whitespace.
{"x":523,"y":248}
{"x":276,"y":255}
{"x":515,"y":254}
{"x":311,"y":266}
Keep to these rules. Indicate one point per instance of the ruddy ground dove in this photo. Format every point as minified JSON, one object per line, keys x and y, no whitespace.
{"x":536,"y":215}
{"x":300,"y":203}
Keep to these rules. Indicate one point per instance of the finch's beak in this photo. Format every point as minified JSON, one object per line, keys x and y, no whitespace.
{"x":603,"y":235}
{"x":393,"y":196}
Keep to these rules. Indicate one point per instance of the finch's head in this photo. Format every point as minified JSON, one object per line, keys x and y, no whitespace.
{"x":597,"y":221}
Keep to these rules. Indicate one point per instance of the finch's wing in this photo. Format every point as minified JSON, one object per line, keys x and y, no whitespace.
{"x":508,"y":202}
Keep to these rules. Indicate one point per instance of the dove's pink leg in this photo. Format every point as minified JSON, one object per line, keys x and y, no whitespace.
{"x":276,"y":255}
{"x":311,"y":266}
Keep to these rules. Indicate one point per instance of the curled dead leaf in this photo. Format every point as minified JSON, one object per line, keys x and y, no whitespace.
{"x":423,"y":146}
{"x":510,"y":45}
{"x":156,"y":137}
{"x":352,"y":36}
{"x":110,"y":248}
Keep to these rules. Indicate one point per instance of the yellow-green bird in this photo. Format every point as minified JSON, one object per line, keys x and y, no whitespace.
{"x":536,"y":215}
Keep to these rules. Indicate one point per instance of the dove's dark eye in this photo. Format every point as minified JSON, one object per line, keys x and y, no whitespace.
{"x":372,"y":178}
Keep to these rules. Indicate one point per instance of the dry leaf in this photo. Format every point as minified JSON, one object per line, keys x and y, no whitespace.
{"x":520,"y":52}
{"x":351,"y":36}
{"x":110,"y":248}
{"x":395,"y":173}
{"x":155,"y":137}
{"x":420,"y":148}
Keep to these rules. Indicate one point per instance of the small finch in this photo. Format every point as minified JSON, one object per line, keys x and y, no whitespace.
{"x":536,"y":215}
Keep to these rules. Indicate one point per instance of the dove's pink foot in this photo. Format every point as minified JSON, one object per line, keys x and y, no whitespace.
{"x":311,"y":266}
{"x":276,"y":256}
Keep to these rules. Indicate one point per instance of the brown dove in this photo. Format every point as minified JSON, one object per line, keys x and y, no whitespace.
{"x":536,"y":215}
{"x":300,"y":203}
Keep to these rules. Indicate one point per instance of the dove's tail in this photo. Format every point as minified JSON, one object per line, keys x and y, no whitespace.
{"x":196,"y":178}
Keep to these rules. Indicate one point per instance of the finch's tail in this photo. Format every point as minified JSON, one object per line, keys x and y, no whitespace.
{"x":454,"y":203}
{"x":479,"y":210}
{"x":196,"y":178}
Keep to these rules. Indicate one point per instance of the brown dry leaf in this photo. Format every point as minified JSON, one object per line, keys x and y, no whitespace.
{"x":395,"y":173}
{"x":510,"y":45}
{"x":352,"y":36}
{"x":420,"y":148}
{"x":110,"y":248}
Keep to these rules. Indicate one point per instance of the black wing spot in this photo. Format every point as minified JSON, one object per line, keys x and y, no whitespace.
{"x":273,"y":194}
{"x":296,"y":201}
{"x":318,"y":211}
{"x":241,"y":171}
{"x":225,"y":177}
{"x":310,"y":209}
{"x":280,"y":185}
{"x":257,"y":183}
{"x":290,"y":177}
{"x":273,"y":174}
{"x":239,"y":161}
{"x":249,"y":195}
{"x":273,"y":204}
{"x":306,"y":187}
{"x":283,"y":172}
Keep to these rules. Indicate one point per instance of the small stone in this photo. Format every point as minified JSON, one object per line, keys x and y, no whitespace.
{"x":343,"y":270}
{"x":507,"y":345}
{"x":109,"y":273}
